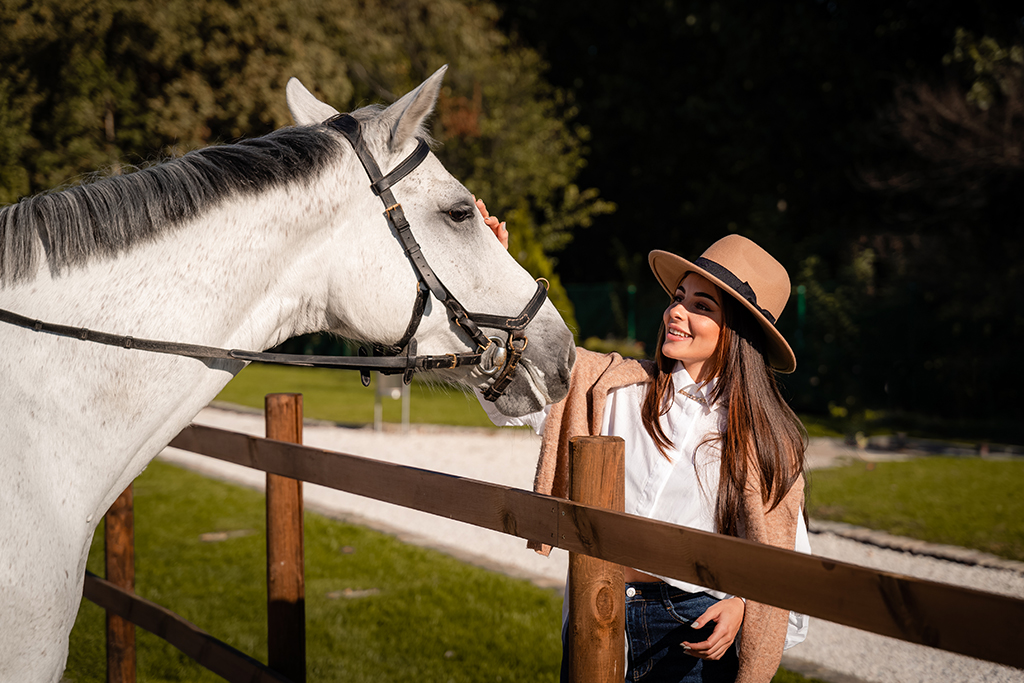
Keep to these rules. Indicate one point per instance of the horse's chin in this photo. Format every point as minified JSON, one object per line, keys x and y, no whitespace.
{"x":532,"y":389}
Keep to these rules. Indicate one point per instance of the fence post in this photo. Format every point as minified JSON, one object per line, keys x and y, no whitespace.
{"x":595,"y":635}
{"x":286,"y":589}
{"x":119,"y":560}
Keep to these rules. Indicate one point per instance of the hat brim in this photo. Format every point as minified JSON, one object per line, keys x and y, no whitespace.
{"x":670,"y":269}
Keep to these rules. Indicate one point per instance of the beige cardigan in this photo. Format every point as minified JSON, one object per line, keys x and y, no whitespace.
{"x":581,"y":413}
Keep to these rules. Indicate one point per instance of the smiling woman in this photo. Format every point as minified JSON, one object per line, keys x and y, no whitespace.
{"x":710,"y":444}
{"x":693,"y":322}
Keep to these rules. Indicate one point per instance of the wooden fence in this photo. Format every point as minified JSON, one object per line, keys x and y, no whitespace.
{"x":600,"y":540}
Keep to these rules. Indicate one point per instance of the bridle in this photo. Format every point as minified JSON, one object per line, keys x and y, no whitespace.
{"x":494,"y":355}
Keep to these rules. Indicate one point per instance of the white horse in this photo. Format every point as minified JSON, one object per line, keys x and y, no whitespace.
{"x":237,"y":246}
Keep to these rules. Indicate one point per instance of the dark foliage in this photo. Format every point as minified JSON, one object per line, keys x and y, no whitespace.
{"x":804,"y":125}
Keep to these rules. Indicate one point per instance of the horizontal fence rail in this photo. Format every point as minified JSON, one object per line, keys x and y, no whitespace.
{"x":220,"y":658}
{"x":915,"y":610}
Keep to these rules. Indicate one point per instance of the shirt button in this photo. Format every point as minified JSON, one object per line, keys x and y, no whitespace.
{"x":630,"y":592}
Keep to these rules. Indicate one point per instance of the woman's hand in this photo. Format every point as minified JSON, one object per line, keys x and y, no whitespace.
{"x":728,"y":617}
{"x":496,"y":226}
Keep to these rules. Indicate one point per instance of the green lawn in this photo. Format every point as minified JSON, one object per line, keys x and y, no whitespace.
{"x":968,"y":502}
{"x":377,"y":610}
{"x":411,"y":614}
{"x":338,"y":396}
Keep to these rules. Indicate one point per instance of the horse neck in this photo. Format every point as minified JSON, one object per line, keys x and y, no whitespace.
{"x":244,"y":275}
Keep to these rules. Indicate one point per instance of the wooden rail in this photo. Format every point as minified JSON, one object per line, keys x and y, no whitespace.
{"x":915,"y":610}
{"x":218,"y":657}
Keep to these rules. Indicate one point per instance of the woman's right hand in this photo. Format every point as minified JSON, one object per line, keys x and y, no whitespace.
{"x":728,"y":618}
{"x":496,"y":226}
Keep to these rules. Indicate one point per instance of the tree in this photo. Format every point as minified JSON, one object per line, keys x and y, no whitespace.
{"x":768,"y":120}
{"x":958,"y":201}
{"x":111,"y":83}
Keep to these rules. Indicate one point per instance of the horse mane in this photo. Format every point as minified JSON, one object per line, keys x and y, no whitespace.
{"x":111,"y":215}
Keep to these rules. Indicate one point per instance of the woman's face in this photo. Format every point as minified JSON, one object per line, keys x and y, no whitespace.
{"x":693,"y":322}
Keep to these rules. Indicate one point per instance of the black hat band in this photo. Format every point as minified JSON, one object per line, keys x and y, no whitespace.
{"x":740,"y":287}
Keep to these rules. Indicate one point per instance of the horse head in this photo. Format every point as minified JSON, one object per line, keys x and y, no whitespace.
{"x":377,"y":280}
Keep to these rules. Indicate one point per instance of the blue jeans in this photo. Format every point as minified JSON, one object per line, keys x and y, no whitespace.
{"x":658,"y":619}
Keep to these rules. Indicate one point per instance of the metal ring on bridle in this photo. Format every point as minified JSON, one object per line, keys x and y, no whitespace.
{"x":493,"y":357}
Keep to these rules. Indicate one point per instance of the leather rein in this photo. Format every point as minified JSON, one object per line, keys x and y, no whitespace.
{"x":496,"y":356}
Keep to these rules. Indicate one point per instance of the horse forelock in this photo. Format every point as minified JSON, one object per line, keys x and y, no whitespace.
{"x":111,"y":215}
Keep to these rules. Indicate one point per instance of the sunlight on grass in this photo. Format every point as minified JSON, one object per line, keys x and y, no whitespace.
{"x":968,"y":502}
{"x":376,"y":610}
{"x":338,"y":396}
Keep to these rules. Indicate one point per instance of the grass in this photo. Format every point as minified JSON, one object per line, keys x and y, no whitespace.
{"x":338,"y":396}
{"x":376,"y":609}
{"x":967,"y":502}
{"x":413,"y":614}
{"x":964,"y":502}
{"x":819,"y":426}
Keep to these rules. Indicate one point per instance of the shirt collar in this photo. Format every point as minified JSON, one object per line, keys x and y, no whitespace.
{"x":685,"y":389}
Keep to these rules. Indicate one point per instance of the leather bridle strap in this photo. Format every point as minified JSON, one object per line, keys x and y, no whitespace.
{"x":519,"y":322}
{"x":84,"y":334}
{"x":348,"y":126}
{"x":387,"y":365}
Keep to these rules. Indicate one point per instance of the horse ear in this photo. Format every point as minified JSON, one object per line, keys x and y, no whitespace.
{"x":306,"y":109}
{"x":406,"y":116}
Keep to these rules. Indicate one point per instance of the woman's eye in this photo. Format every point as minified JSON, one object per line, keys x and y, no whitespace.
{"x":459,"y":215}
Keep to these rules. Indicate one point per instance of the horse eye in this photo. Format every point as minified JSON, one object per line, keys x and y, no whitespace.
{"x":459,"y":215}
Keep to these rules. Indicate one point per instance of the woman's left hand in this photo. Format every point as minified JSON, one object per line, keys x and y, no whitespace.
{"x":728,"y":617}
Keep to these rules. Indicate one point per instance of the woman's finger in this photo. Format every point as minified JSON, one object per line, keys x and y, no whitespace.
{"x":482,"y":207}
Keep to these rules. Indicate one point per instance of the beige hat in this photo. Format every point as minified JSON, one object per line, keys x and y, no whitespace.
{"x":747,"y":272}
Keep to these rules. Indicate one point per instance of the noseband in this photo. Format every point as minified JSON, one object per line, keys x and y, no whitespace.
{"x":494,"y":355}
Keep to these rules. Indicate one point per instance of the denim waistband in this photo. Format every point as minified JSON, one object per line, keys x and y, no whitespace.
{"x":659,"y":590}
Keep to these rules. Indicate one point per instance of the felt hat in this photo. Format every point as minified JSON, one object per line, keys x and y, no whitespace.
{"x":748,"y":273}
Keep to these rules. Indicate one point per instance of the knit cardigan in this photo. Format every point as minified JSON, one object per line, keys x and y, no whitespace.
{"x":581,"y":413}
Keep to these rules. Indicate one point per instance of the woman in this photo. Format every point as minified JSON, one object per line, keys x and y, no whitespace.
{"x":710,"y":444}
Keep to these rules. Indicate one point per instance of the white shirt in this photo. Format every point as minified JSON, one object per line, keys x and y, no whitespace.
{"x":681,"y":489}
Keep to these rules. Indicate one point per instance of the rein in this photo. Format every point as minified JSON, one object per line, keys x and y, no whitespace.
{"x":495,"y":356}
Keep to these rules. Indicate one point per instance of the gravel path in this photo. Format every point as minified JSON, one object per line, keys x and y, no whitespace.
{"x":500,"y":456}
{"x":834,"y":653}
{"x":869,"y":657}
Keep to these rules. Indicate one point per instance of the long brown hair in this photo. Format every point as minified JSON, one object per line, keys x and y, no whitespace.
{"x":761,"y":429}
